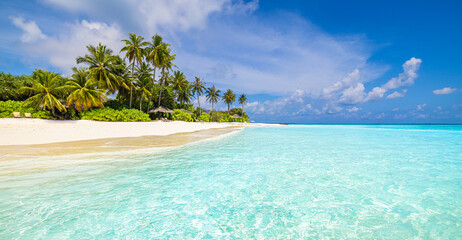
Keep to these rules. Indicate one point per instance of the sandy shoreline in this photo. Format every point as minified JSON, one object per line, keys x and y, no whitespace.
{"x":38,"y":131}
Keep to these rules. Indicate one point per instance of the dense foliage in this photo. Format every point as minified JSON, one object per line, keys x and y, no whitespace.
{"x":182,"y":116}
{"x":111,"y":115}
{"x":144,"y":79}
{"x":8,"y":107}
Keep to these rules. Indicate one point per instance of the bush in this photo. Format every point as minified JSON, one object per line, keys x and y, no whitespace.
{"x":8,"y":107}
{"x":204,"y":117}
{"x":111,"y":115}
{"x":182,"y":116}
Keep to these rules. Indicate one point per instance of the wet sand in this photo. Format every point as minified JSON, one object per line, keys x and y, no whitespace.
{"x":27,"y":158}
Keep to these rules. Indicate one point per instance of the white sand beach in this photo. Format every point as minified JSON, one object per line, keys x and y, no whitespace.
{"x":39,"y":131}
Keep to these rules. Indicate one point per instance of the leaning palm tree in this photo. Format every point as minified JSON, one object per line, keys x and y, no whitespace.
{"x":134,"y":52}
{"x":242,"y":100}
{"x":229,"y":97}
{"x":198,"y":88}
{"x":143,"y":82}
{"x":47,"y":88}
{"x":100,"y":63}
{"x":212,"y":94}
{"x":84,"y":93}
{"x":153,"y":54}
{"x":166,"y":64}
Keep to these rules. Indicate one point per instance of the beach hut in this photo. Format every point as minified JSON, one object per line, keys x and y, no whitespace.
{"x":236,"y":116}
{"x":160,"y":110}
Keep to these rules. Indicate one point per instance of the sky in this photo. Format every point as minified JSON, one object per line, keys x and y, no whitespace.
{"x":307,"y":61}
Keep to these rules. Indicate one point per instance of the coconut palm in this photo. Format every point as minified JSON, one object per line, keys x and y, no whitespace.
{"x":198,"y":88}
{"x":181,"y":86}
{"x":166,"y":64}
{"x":134,"y":52}
{"x":212,"y":94}
{"x":100,"y":63}
{"x":242,"y":100}
{"x":153,"y":53}
{"x":84,"y":93}
{"x":229,"y":97}
{"x":143,"y":83}
{"x":47,"y":88}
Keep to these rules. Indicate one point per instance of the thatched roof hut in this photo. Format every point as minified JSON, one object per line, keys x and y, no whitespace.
{"x":236,"y":116}
{"x":161,"y":109}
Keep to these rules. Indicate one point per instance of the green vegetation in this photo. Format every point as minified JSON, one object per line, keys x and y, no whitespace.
{"x":182,"y":116}
{"x":111,"y":115}
{"x":143,"y":78}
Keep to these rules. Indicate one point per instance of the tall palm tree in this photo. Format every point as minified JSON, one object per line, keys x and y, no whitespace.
{"x":143,"y":82}
{"x":212,"y":94}
{"x":242,"y":100}
{"x":134,"y":52}
{"x":198,"y":88}
{"x":229,"y":97}
{"x":153,"y":53}
{"x":179,"y":83}
{"x":166,"y":64}
{"x":47,"y":88}
{"x":101,"y":63}
{"x":84,"y":93}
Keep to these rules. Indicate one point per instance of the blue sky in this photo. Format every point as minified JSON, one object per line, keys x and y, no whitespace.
{"x":298,"y":61}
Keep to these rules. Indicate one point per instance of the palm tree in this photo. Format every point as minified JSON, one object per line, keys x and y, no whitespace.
{"x":242,"y":100}
{"x":165,"y":63}
{"x":101,"y":63}
{"x":143,"y":82}
{"x":179,"y":83}
{"x":134,"y":52}
{"x":47,"y":88}
{"x":198,"y":88}
{"x":153,"y":53}
{"x":229,"y":97}
{"x":212,"y":94}
{"x":83,"y":92}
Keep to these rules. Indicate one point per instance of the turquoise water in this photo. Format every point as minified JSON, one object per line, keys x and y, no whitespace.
{"x":291,"y":182}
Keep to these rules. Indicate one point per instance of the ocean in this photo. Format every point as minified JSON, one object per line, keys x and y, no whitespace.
{"x":281,"y":182}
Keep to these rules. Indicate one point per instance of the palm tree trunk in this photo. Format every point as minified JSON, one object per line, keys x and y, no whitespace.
{"x":161,"y":85}
{"x":228,"y":108}
{"x":131,"y":87}
{"x":212,"y":107}
{"x":242,"y":110}
{"x":152,"y":89}
{"x":141,"y":100}
{"x":199,"y":103}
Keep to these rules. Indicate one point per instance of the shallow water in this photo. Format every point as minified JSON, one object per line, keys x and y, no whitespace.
{"x":307,"y":181}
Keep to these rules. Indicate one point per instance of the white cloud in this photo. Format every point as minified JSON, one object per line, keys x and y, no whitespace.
{"x":395,"y":109}
{"x":407,"y":77}
{"x":375,"y":94}
{"x":31,"y":32}
{"x":446,"y":90}
{"x":397,"y":94}
{"x":421,"y":107}
{"x":153,"y":16}
{"x":353,"y":109}
{"x":351,"y":89}
{"x":353,"y":94}
{"x":62,"y":50}
{"x":382,"y":115}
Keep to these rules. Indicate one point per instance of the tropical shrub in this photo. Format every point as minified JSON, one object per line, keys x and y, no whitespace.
{"x":182,"y":116}
{"x":8,"y":107}
{"x":10,"y":86}
{"x":204,"y":117}
{"x":111,"y":115}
